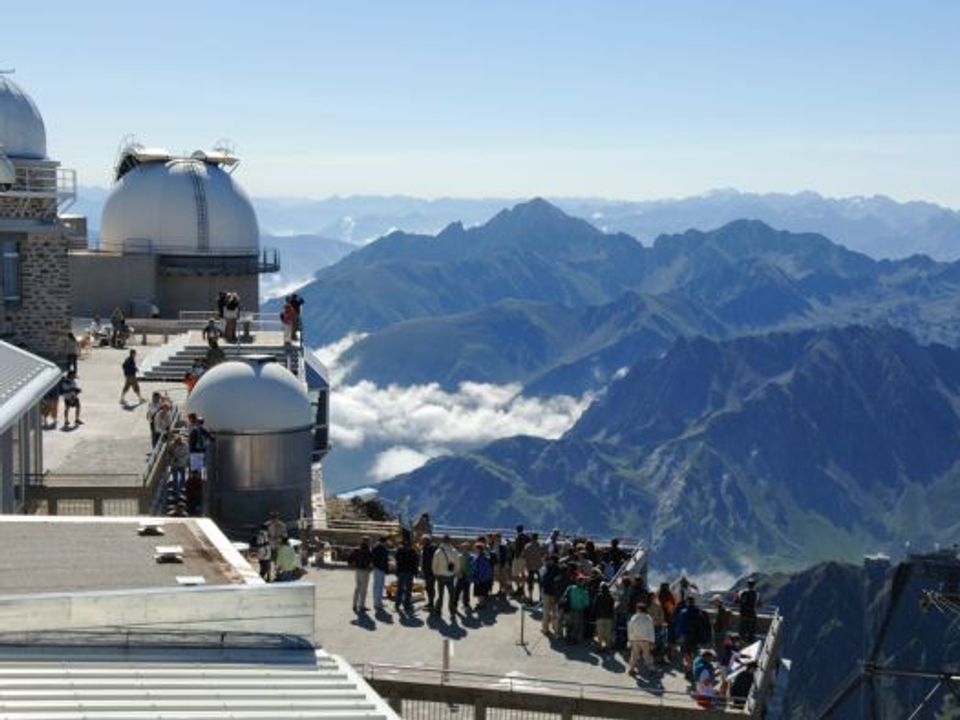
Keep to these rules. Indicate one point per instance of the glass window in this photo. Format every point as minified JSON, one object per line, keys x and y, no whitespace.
{"x":10,"y":275}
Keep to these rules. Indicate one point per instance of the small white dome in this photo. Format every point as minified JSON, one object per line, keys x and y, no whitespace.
{"x":183,"y":206}
{"x":238,"y":396}
{"x":22,"y":133}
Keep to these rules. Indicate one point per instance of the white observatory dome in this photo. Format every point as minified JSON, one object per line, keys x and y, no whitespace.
{"x":22,"y":133}
{"x":251,"y":397}
{"x":179,"y":206}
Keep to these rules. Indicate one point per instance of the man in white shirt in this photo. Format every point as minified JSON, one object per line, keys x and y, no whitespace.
{"x":640,"y":635}
{"x":446,"y":561}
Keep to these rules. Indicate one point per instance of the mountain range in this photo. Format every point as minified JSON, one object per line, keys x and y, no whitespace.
{"x":772,"y":450}
{"x":538,"y":297}
{"x":877,"y":226}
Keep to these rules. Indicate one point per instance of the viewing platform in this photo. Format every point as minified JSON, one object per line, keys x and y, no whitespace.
{"x":498,"y":658}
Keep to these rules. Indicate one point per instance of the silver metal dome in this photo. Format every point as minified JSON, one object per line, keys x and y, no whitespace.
{"x":251,"y":397}
{"x":22,"y":133}
{"x":179,"y":206}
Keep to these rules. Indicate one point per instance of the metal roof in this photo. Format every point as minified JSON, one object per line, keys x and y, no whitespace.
{"x":24,"y":380}
{"x":159,"y":683}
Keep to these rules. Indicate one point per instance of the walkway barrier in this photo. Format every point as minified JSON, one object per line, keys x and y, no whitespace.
{"x":434,"y":693}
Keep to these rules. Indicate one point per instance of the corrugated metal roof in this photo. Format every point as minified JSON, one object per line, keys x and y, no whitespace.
{"x":68,"y":683}
{"x":24,"y":379}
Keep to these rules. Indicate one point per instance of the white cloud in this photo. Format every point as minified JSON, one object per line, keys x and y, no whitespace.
{"x":397,"y":460}
{"x":426,"y":420}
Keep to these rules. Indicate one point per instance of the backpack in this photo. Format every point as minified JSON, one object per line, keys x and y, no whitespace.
{"x":579,"y":598}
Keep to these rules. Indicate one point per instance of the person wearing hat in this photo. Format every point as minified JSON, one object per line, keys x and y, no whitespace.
{"x":722,"y":619}
{"x":705,"y":677}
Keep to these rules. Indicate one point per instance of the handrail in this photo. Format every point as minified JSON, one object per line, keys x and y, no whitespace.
{"x":524,"y":683}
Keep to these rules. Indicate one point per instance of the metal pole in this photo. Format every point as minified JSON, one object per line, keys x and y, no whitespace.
{"x":446,"y":661}
{"x":523,"y":641}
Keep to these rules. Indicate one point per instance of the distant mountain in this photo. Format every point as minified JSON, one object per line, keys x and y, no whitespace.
{"x":782,"y":449}
{"x":877,"y":225}
{"x":526,"y":297}
{"x":300,"y":257}
{"x":550,"y":348}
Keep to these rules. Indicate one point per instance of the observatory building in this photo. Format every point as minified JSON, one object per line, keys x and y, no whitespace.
{"x":264,"y":423}
{"x":175,"y":231}
{"x":35,"y":236}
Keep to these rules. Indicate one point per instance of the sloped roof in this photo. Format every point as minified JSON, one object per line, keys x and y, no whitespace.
{"x":24,"y":380}
{"x":159,"y":683}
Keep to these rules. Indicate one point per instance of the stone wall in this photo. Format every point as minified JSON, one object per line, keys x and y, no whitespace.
{"x":42,"y":319}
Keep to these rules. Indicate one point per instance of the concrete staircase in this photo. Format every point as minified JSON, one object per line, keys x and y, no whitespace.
{"x":173,"y":366}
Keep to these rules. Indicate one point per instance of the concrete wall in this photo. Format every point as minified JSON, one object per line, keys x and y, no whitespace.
{"x":275,"y":609}
{"x":99,"y":282}
{"x":41,"y":320}
{"x":199,"y":292}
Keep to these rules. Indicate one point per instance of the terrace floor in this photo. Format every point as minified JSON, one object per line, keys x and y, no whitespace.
{"x":487,"y":642}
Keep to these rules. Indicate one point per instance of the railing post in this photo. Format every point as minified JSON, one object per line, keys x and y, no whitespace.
{"x":98,"y":506}
{"x":51,"y":505}
{"x":479,"y":710}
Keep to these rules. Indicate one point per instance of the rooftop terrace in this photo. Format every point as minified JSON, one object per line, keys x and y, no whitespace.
{"x":487,"y":652}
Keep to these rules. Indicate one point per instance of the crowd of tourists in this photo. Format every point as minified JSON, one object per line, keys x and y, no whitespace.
{"x":583,"y":594}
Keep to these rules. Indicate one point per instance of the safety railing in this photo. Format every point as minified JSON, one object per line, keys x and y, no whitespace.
{"x":252,"y":321}
{"x":485,"y":695}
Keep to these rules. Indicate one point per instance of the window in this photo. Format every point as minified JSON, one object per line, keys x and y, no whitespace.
{"x":10,"y":271}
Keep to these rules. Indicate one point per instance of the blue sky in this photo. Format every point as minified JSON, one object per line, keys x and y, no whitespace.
{"x":617,"y":99}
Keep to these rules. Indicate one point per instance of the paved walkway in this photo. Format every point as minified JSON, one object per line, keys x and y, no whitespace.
{"x":483,"y":643}
{"x":113,"y":442}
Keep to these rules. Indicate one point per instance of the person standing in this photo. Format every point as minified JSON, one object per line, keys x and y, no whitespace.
{"x":296,"y":302}
{"x":518,"y":568}
{"x":277,"y":533}
{"x":130,"y":371}
{"x":198,"y":439}
{"x":221,"y":303}
{"x":71,"y":349}
{"x":380,"y":558}
{"x":548,"y":596}
{"x":155,"y":402}
{"x":641,"y":636}
{"x":427,"y":551}
{"x":361,"y":560}
{"x":748,"y":602}
{"x":533,"y":554}
{"x":576,"y":601}
{"x":465,"y":576}
{"x":70,"y":390}
{"x":179,"y":461}
{"x":603,"y":612}
{"x":263,"y":551}
{"x":446,"y":562}
{"x":231,"y":314}
{"x":407,"y":564}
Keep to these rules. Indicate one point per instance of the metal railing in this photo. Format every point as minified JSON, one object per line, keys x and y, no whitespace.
{"x":39,"y":190}
{"x":418,"y":691}
{"x":258,"y":322}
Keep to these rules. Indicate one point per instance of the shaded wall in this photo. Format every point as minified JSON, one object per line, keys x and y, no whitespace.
{"x":99,"y":282}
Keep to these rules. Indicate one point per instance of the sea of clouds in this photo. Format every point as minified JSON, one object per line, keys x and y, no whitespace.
{"x":412,"y":424}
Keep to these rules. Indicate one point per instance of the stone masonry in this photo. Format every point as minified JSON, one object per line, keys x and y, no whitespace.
{"x":42,"y":319}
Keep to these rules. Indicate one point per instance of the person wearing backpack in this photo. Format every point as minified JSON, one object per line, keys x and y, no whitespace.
{"x":577,"y":601}
{"x":748,"y":602}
